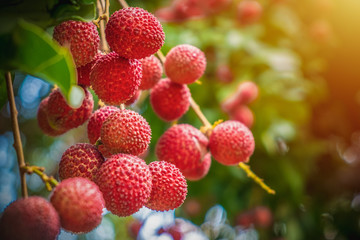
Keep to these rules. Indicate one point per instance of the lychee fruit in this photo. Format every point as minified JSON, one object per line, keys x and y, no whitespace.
{"x":126,"y":131}
{"x":125,"y":181}
{"x":243,"y":114}
{"x":185,"y":147}
{"x":80,"y":160}
{"x":231,"y":142}
{"x":43,"y":121}
{"x":62,"y":116}
{"x":249,"y":12}
{"x":169,"y":186}
{"x":185,"y":64}
{"x":28,"y":219}
{"x":245,"y":93}
{"x":133,"y":228}
{"x":82,"y":38}
{"x":83,"y":72}
{"x":224,"y":73}
{"x":170,"y":100}
{"x":96,"y":120}
{"x":151,"y":72}
{"x":79,"y":203}
{"x":133,"y":99}
{"x":115,"y":79}
{"x":134,"y":33}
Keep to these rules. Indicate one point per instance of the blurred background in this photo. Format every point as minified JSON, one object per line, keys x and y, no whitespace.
{"x":304,"y":57}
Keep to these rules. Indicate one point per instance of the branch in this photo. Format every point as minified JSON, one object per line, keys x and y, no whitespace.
{"x":123,"y":3}
{"x":17,"y":139}
{"x":253,"y":176}
{"x":50,"y":182}
{"x":101,"y":23}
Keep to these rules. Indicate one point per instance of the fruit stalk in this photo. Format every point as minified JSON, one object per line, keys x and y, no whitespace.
{"x":200,"y":114}
{"x":103,"y":13}
{"x":17,"y":140}
{"x":253,"y":176}
{"x":123,"y":3}
{"x":49,"y":181}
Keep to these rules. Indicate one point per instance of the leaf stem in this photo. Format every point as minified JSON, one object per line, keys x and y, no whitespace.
{"x":50,"y":182}
{"x":17,"y":139}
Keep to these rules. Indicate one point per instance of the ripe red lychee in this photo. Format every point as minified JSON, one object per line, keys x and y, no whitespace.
{"x":231,"y":142}
{"x":83,"y":72}
{"x":82,"y":38}
{"x":79,"y":203}
{"x":249,"y":12}
{"x":185,"y":147}
{"x":125,"y":181}
{"x":80,"y":160}
{"x":134,"y":98}
{"x":245,"y":93}
{"x":28,"y":219}
{"x":243,"y":114}
{"x":151,"y":72}
{"x":169,"y":186}
{"x":185,"y":64}
{"x":115,"y":79}
{"x":62,"y":116}
{"x":96,"y":120}
{"x":126,"y":131}
{"x":170,"y":100}
{"x":43,"y":121}
{"x":134,"y":33}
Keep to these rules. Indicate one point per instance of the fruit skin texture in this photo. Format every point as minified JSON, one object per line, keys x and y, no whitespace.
{"x":96,"y":121}
{"x":151,"y":72}
{"x":126,"y":131}
{"x":185,"y":64}
{"x":186,"y":148}
{"x":83,"y":72}
{"x":115,"y":79}
{"x":134,"y":33}
{"x":62,"y":117}
{"x":43,"y":122}
{"x":133,"y":99}
{"x":169,"y":187}
{"x":125,"y":181}
{"x":79,"y":203}
{"x":33,"y":218}
{"x":170,"y":100}
{"x":231,"y":142}
{"x":82,"y":38}
{"x":80,"y":160}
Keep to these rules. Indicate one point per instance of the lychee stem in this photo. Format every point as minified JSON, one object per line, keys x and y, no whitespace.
{"x":200,"y":114}
{"x":49,"y":181}
{"x":253,"y":176}
{"x":16,"y":132}
{"x":123,"y":3}
{"x":103,"y":14}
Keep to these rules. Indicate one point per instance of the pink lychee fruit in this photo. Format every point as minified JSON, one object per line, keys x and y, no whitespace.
{"x":170,"y":100}
{"x":243,"y":114}
{"x":43,"y":122}
{"x":115,"y":79}
{"x":125,"y":181}
{"x":79,"y":203}
{"x":231,"y":142}
{"x":133,"y":99}
{"x":245,"y":93}
{"x":151,"y":72}
{"x":185,"y":64}
{"x":29,"y":219}
{"x":82,"y":38}
{"x":134,"y":33}
{"x":96,"y":120}
{"x":83,"y":72}
{"x":185,"y":147}
{"x":249,"y":12}
{"x":169,"y":187}
{"x":80,"y":160}
{"x":126,"y":131}
{"x":224,"y":73}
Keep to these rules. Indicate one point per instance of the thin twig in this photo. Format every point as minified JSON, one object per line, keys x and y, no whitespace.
{"x":123,"y":3}
{"x":50,"y":182}
{"x":17,"y":139}
{"x":200,"y":114}
{"x":103,"y":18}
{"x":161,"y":56}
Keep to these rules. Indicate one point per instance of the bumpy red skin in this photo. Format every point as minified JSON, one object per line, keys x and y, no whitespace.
{"x":245,"y":93}
{"x":29,"y":219}
{"x":170,"y":100}
{"x":134,"y":33}
{"x":81,"y":37}
{"x":186,"y":148}
{"x":125,"y":181}
{"x":80,"y":160}
{"x":231,"y":142}
{"x":96,"y":121}
{"x":115,"y":79}
{"x":185,"y":64}
{"x":79,"y":203}
{"x":243,"y":114}
{"x":249,"y":12}
{"x":134,"y":98}
{"x":169,"y":187}
{"x":62,"y":117}
{"x":43,"y":121}
{"x":151,"y":72}
{"x":126,"y":131}
{"x":83,"y":72}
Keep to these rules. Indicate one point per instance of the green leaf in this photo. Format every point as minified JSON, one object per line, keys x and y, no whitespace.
{"x":29,"y":49}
